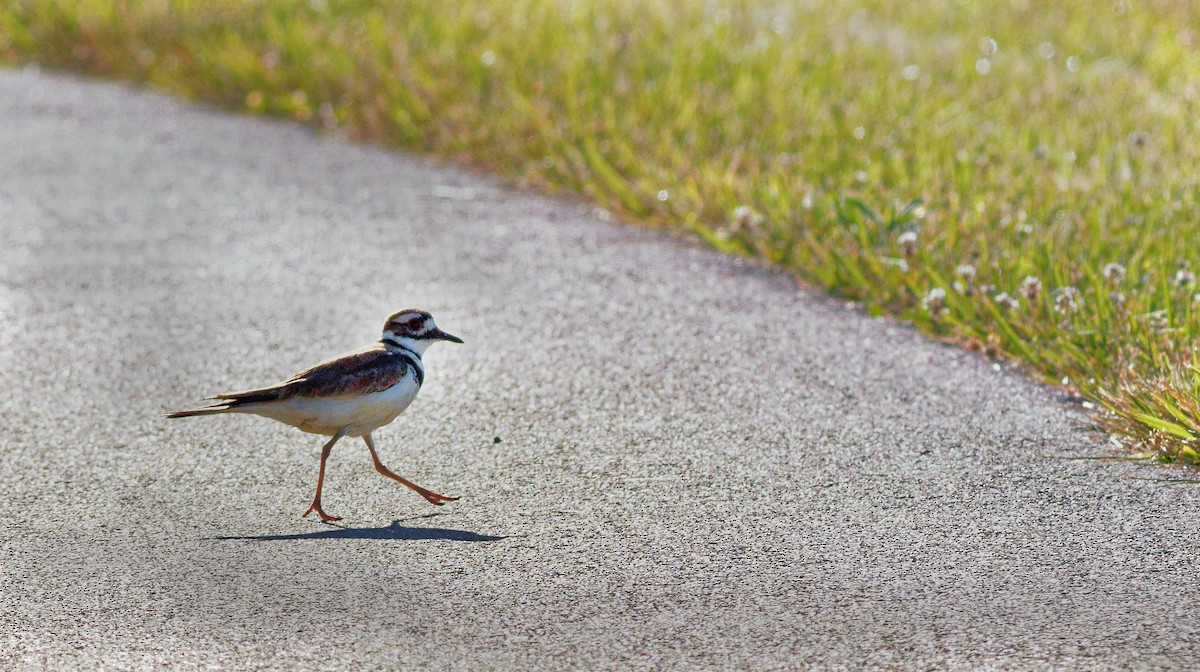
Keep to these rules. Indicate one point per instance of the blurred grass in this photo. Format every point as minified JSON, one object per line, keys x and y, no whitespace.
{"x":922,"y":158}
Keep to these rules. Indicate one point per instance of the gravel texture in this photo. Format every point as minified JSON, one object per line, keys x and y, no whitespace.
{"x":667,"y":458}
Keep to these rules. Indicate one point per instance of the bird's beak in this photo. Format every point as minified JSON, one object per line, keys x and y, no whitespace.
{"x":443,"y":336}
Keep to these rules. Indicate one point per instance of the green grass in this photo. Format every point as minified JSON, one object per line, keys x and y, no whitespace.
{"x":1011,"y":139}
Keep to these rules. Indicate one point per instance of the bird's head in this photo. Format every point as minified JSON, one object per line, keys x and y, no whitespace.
{"x":415,"y":330}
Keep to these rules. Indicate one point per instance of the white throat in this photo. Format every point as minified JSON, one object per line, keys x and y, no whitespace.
{"x":411,"y":344}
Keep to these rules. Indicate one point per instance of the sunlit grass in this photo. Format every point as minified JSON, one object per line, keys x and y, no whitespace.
{"x":1018,"y":176}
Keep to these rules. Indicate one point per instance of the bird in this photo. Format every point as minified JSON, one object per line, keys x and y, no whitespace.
{"x":351,"y":395}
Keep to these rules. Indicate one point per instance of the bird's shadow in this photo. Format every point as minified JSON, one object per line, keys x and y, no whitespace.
{"x":395,"y":532}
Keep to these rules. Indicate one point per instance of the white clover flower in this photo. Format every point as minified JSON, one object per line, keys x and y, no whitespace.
{"x":1004,"y":300}
{"x":1159,"y":322}
{"x":967,"y":285}
{"x":934,"y":301}
{"x":896,"y":263}
{"x":1068,"y":300}
{"x":1031,"y":286}
{"x":745,"y":218}
{"x":908,"y":242}
{"x":1184,"y":277}
{"x":1117,"y":298}
{"x":1114,"y":273}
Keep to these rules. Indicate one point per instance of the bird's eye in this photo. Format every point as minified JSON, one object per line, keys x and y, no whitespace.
{"x":414,"y":324}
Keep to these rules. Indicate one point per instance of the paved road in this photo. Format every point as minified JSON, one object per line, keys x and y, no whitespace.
{"x":699,"y":465}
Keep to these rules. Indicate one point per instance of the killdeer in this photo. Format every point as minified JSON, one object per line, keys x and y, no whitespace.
{"x":351,"y":395}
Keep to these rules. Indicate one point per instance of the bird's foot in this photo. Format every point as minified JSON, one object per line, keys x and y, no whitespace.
{"x":316,"y":507}
{"x":436,"y":499}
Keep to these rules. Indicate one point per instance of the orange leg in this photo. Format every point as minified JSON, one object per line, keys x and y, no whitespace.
{"x":316,"y":503}
{"x":429,"y":495}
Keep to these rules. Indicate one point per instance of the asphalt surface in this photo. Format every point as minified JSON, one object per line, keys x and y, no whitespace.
{"x":699,"y":465}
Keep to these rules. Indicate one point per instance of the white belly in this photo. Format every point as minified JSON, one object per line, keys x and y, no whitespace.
{"x":328,"y":415}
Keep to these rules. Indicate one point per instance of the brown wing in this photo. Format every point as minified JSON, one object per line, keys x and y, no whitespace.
{"x":373,"y":369}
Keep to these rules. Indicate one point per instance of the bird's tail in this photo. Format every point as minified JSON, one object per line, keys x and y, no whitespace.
{"x":208,"y":410}
{"x":234,"y":402}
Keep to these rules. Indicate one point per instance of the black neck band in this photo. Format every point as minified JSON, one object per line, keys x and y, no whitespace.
{"x":410,"y":356}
